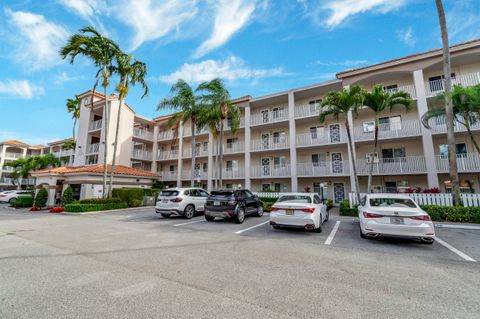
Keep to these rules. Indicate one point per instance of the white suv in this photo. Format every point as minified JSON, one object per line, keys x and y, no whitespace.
{"x":11,"y":196}
{"x":181,"y":201}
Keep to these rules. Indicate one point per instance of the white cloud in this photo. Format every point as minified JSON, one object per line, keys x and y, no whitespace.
{"x":64,"y":77}
{"x":85,"y":8}
{"x":37,"y":40}
{"x":230,"y":69}
{"x":406,"y":36}
{"x":230,"y":17}
{"x":463,"y":20}
{"x":151,"y":20}
{"x":20,"y":88}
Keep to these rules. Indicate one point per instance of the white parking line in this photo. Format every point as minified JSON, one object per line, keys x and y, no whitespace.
{"x":457,"y":226}
{"x":188,"y":223}
{"x":332,"y":233}
{"x":455,"y":250}
{"x":246,"y":229}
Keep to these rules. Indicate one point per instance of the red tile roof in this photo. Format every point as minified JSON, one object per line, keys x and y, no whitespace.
{"x":37,"y":147}
{"x":15,"y":142}
{"x":97,"y":169}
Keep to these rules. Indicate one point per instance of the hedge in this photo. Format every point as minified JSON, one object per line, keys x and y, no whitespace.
{"x":99,"y":201}
{"x":41,"y":198}
{"x":67,"y":196}
{"x":24,"y":201}
{"x":328,"y":203}
{"x":268,"y":202}
{"x":458,"y":214}
{"x":132,"y":196}
{"x":78,"y":208}
{"x":345,"y":209}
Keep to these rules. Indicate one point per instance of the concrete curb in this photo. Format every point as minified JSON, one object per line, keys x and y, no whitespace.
{"x":106,"y":211}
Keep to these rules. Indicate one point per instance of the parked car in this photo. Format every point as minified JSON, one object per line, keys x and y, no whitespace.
{"x":394,"y":215}
{"x":11,"y":196}
{"x":302,"y":210}
{"x":235,"y":204}
{"x":184,"y":202}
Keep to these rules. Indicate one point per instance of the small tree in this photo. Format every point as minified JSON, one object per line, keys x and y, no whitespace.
{"x":41,"y":198}
{"x":67,"y":196}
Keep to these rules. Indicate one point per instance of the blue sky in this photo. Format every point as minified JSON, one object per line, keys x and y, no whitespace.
{"x":257,"y":46}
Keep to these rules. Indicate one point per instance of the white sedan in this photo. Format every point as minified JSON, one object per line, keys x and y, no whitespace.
{"x":302,"y":210}
{"x":394,"y":215}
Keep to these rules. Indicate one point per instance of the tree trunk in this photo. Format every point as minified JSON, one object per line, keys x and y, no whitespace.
{"x":74,"y":126}
{"x":105,"y":141}
{"x":220,"y":161}
{"x":352,"y":156}
{"x":452,"y":156}
{"x":370,"y":173}
{"x":193,"y":154}
{"x":216,"y":164}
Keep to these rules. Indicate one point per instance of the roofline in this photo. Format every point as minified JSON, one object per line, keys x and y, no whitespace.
{"x":407,"y":59}
{"x":86,"y":93}
{"x":60,"y":141}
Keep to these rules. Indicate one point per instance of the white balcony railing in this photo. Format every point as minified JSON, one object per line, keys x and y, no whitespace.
{"x":6,"y":180}
{"x":143,"y":134}
{"x":271,"y":143}
{"x":235,"y":147}
{"x":199,"y":174}
{"x":385,"y":131}
{"x":28,"y":181}
{"x":409,"y":88}
{"x":307,"y":139}
{"x":306,"y":111}
{"x":165,"y":135}
{"x":435,"y":87}
{"x":269,"y":117}
{"x":141,"y":154}
{"x":233,"y":173}
{"x":271,"y":171}
{"x":66,"y":153}
{"x":439,"y":125}
{"x":95,"y":125}
{"x":465,"y":163}
{"x":93,"y":148}
{"x":323,"y":169}
{"x":187,"y":131}
{"x":13,"y":155}
{"x":7,"y":168}
{"x":168,"y":175}
{"x":187,"y":152}
{"x":401,"y":165}
{"x":173,"y":154}
{"x":227,"y":125}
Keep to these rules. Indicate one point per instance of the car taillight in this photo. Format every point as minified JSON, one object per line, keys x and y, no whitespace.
{"x":276,"y":208}
{"x":370,"y":215}
{"x":422,"y":217}
{"x":308,"y":210}
{"x":176,"y":200}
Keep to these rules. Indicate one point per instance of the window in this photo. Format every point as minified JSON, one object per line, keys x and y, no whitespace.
{"x":460,"y":149}
{"x":317,"y":132}
{"x":280,"y":161}
{"x":198,"y":129}
{"x":279,"y":137}
{"x":277,"y":112}
{"x":277,"y":187}
{"x":203,"y":193}
{"x":296,"y":199}
{"x":205,"y":146}
{"x":391,"y":88}
{"x":248,"y":194}
{"x":316,"y":199}
{"x":265,"y":187}
{"x":319,"y":159}
{"x":194,"y":192}
{"x":435,"y":83}
{"x":315,"y":105}
{"x":205,"y":167}
{"x":368,"y":127}
{"x":229,"y":166}
{"x":392,"y":202}
{"x":231,"y":141}
{"x":391,"y":155}
{"x":372,"y":157}
{"x":392,"y":123}
{"x":228,"y":185}
{"x":172,"y":168}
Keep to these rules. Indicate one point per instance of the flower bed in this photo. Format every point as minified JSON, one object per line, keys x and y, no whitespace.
{"x":79,"y":208}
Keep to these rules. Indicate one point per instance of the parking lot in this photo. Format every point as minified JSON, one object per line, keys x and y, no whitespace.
{"x":134,"y":263}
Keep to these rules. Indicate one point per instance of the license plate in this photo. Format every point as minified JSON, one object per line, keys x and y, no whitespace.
{"x":290,"y":212}
{"x":165,"y":200}
{"x":216,"y":203}
{"x":396,"y":220}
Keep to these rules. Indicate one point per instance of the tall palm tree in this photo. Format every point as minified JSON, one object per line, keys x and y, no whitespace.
{"x":379,"y":100}
{"x":185,"y":103}
{"x":101,"y":51}
{"x":131,"y":72}
{"x":23,"y":166}
{"x":447,"y":71}
{"x":73,"y":106}
{"x":219,"y":108}
{"x":341,"y":103}
{"x":466,"y":109}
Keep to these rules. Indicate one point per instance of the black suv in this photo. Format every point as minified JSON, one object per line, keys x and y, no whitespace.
{"x":236,"y":204}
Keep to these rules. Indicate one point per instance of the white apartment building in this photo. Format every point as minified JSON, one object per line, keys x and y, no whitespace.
{"x":281,"y":145}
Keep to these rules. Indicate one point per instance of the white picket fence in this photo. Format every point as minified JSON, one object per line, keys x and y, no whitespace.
{"x":469,"y":200}
{"x":269,"y":194}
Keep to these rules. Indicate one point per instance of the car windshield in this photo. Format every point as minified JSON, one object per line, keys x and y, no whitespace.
{"x":392,"y":202}
{"x":296,"y":199}
{"x":222,"y":193}
{"x":169,"y":193}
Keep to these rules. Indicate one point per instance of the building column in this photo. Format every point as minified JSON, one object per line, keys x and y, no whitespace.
{"x":51,"y":195}
{"x":353,"y":187}
{"x":2,"y":160}
{"x":248,"y":140}
{"x":292,"y":134}
{"x":180,"y":151}
{"x":155,"y":149}
{"x":210,"y":162}
{"x":427,"y":141}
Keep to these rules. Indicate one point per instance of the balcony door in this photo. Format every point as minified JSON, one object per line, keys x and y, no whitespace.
{"x":337,"y":163}
{"x":265,"y":166}
{"x":338,"y":192}
{"x":265,"y":116}
{"x":335,"y":134}
{"x":265,"y":141}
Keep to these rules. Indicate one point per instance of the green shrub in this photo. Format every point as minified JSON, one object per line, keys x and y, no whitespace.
{"x":41,"y":198}
{"x":158,"y":185}
{"x":154,"y":192}
{"x":99,"y":201}
{"x":67,"y":197}
{"x":453,"y":213}
{"x":131,"y":196}
{"x":328,"y":203}
{"x":77,"y":207}
{"x":24,"y":201}
{"x":268,"y":202}
{"x":345,"y":209}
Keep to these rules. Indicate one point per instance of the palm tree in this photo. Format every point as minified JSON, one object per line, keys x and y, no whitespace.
{"x":23,"y":166}
{"x":379,"y":100}
{"x":341,"y":103}
{"x":73,"y":106}
{"x":131,"y":72}
{"x":466,"y":109}
{"x":452,"y":156}
{"x":219,"y":108}
{"x":185,"y":103}
{"x":102,"y":51}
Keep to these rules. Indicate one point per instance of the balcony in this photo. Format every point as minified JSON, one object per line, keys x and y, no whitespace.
{"x":93,"y":148}
{"x":199,"y":152}
{"x":271,"y":143}
{"x":6,"y":181}
{"x":433,"y":88}
{"x":7,"y":168}
{"x":167,"y":155}
{"x":95,"y":125}
{"x":199,"y":174}
{"x":270,"y":171}
{"x":28,"y":181}
{"x":306,"y":111}
{"x":227,"y":125}
{"x":309,"y":169}
{"x":409,"y":88}
{"x":168,"y":175}
{"x":143,"y":134}
{"x":166,"y":135}
{"x":13,"y":155}
{"x":233,"y":173}
{"x":187,"y":131}
{"x":269,"y":117}
{"x":391,"y":166}
{"x":387,"y":131}
{"x":465,"y":163}
{"x":232,"y":148}
{"x":66,"y":153}
{"x":142,"y":155}
{"x":439,"y":126}
{"x":309,"y":139}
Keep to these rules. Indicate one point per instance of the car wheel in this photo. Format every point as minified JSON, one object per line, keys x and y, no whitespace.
{"x":260,"y":211}
{"x":165,"y":215}
{"x":319,"y":229}
{"x":326,"y":217}
{"x":189,"y":212}
{"x":240,"y":217}
{"x":276,"y":227}
{"x":363,"y":235}
{"x":12,"y":201}
{"x":209,"y":218}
